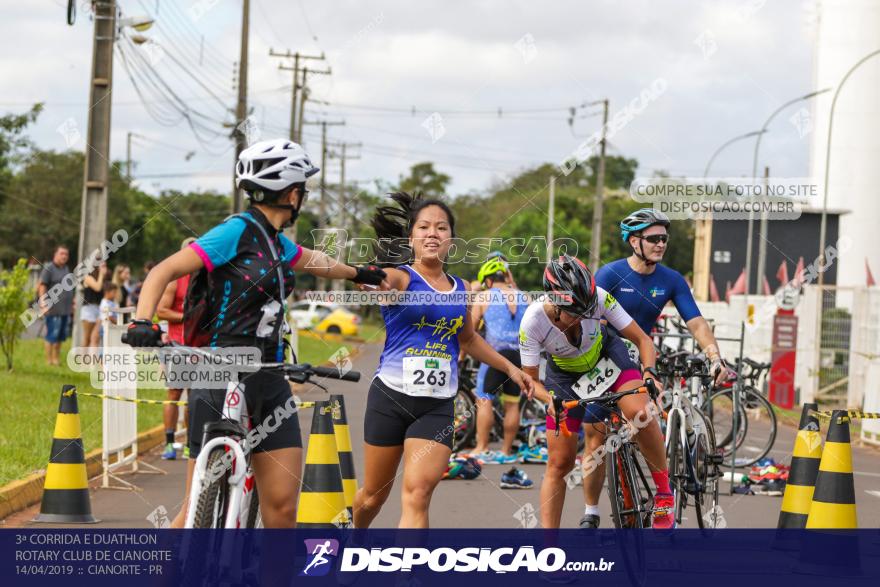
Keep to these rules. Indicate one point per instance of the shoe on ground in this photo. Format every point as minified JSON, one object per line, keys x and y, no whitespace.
{"x":664,"y":517}
{"x":533,"y":454}
{"x":499,"y":458}
{"x":487,"y":457}
{"x":516,"y":479}
{"x":589,"y":522}
{"x":170,"y":454}
{"x":186,"y":452}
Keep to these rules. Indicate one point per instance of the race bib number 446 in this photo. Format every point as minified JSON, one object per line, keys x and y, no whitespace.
{"x":598,"y":380}
{"x":427,"y":376}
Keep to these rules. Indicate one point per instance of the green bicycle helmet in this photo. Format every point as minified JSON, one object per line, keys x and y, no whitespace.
{"x":492,"y":268}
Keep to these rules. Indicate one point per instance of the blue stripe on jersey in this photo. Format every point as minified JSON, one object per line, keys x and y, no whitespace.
{"x":429,"y":330}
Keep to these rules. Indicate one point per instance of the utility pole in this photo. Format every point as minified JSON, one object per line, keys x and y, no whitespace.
{"x":303,"y":97}
{"x":550,"y":217}
{"x":128,"y":154}
{"x":322,"y":204}
{"x":339,"y":284}
{"x":296,"y":83}
{"x":762,"y":241}
{"x":596,"y":236}
{"x":93,"y":213}
{"x":241,"y":105}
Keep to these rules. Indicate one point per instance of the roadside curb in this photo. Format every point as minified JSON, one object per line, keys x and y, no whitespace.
{"x":23,"y":493}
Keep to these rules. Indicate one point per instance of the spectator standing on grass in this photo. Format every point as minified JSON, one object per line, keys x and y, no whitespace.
{"x":56,"y":312}
{"x":109,"y":303}
{"x":170,"y":308}
{"x":90,"y":313}
{"x":121,"y":277}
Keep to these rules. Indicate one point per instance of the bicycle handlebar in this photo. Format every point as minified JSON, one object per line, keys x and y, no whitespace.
{"x":610,"y":398}
{"x":296,"y":372}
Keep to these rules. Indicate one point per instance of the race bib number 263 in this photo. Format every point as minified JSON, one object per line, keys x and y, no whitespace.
{"x":427,"y":376}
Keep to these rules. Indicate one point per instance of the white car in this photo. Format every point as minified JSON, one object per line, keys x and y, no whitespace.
{"x":309,"y":314}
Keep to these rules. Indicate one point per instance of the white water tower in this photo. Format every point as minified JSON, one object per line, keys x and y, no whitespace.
{"x":846,"y":31}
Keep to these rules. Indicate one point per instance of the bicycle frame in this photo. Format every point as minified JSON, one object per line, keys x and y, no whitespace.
{"x":241,"y":477}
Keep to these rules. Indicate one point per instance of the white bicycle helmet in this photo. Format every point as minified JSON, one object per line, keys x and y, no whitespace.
{"x":273,"y":165}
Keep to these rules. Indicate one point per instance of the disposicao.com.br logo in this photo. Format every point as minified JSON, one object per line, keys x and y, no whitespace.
{"x":321,"y":551}
{"x":469,"y":559}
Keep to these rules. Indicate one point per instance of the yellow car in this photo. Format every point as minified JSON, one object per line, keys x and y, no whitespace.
{"x":340,"y":321}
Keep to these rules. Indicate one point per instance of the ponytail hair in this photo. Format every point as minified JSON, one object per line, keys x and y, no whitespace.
{"x":394,"y":224}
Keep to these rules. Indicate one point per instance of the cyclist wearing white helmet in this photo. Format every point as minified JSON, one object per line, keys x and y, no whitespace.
{"x":246,"y":305}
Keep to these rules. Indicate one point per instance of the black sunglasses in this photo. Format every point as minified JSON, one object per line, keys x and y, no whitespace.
{"x":656,"y":238}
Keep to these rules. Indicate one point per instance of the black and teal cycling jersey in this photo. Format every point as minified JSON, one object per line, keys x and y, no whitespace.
{"x":246,"y":294}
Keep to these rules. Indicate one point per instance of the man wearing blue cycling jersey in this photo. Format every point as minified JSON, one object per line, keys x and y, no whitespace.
{"x":643,"y":286}
{"x":501,"y":307}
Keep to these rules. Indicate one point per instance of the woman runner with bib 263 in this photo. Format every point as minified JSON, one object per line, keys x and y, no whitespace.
{"x":566,"y":325}
{"x":410,"y":404}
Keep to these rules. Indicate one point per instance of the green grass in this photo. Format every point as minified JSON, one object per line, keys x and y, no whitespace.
{"x":30,"y":397}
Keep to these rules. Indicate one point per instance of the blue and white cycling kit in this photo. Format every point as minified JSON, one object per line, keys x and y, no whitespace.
{"x":644,"y":296}
{"x":502,"y":334}
{"x":412,"y":392}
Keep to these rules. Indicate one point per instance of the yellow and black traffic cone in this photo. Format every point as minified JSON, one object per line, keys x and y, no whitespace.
{"x":834,"y":499}
{"x":804,"y":469}
{"x":66,"y":489}
{"x":321,"y":500}
{"x":343,"y":447}
{"x":836,"y":553}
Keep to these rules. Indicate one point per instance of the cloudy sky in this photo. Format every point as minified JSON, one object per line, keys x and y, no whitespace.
{"x":723,"y":66}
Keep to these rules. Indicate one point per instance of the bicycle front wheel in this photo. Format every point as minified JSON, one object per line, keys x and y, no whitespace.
{"x":757,"y":427}
{"x":213,"y":501}
{"x":465,"y":421}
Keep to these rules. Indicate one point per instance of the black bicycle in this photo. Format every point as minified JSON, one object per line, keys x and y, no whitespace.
{"x":754,"y":418}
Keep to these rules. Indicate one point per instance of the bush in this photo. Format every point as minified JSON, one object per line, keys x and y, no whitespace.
{"x":14,"y":299}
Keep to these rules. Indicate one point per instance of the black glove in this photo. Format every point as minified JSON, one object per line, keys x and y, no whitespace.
{"x":369,"y":274}
{"x":142,"y":333}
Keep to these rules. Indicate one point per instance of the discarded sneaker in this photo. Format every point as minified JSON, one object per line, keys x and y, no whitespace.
{"x":516,"y":479}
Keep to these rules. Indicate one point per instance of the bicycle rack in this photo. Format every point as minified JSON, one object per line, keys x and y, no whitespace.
{"x":737,"y":386}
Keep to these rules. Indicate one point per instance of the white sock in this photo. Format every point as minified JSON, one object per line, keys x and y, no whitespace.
{"x":591,"y":509}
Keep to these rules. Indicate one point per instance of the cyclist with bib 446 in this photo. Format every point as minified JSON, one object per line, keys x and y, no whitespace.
{"x":567,"y":326}
{"x":245,"y":304}
{"x":501,"y":308}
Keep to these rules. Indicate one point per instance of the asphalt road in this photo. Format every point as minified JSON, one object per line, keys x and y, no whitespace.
{"x":456,"y":504}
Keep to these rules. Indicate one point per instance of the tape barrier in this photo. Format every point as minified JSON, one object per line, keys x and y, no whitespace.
{"x":151,"y":401}
{"x":850,"y":415}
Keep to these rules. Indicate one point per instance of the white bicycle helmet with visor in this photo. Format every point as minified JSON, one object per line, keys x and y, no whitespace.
{"x":269,"y":168}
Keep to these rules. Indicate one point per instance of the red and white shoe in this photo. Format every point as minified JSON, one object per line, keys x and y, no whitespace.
{"x":664,"y":518}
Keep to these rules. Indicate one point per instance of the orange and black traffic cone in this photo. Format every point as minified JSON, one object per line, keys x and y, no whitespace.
{"x":66,"y":489}
{"x":834,"y":499}
{"x":343,"y":447}
{"x":322,"y":501}
{"x":804,"y":469}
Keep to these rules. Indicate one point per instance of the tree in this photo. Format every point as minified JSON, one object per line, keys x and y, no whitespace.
{"x":14,"y":299}
{"x":425,"y":179}
{"x":12,"y":142}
